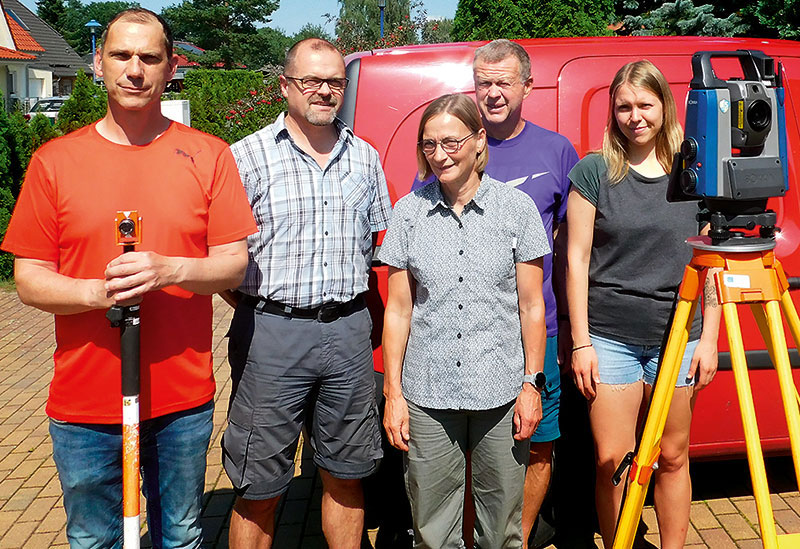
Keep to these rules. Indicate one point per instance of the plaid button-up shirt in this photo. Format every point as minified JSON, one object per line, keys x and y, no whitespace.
{"x":315,"y":225}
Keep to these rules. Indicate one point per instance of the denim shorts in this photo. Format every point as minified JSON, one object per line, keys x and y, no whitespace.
{"x":623,"y":363}
{"x":547,"y":430}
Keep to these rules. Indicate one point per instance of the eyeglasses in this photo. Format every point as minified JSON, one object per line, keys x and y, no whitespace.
{"x":313,"y":84}
{"x":450,"y":145}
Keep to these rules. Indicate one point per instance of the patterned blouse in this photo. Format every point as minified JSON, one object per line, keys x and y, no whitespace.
{"x":464,"y":350}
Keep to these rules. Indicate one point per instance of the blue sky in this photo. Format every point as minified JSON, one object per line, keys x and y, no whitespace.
{"x":293,"y":14}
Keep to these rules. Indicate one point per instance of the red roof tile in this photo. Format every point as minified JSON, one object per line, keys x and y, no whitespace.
{"x":6,"y":53}
{"x":183,"y":61}
{"x":22,"y":38}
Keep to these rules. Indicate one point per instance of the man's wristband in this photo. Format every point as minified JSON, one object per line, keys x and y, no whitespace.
{"x":579,"y":347}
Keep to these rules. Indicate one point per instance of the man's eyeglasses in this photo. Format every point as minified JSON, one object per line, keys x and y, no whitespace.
{"x":450,"y":145}
{"x":313,"y":84}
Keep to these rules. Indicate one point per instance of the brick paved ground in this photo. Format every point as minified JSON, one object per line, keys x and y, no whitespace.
{"x":32,"y":513}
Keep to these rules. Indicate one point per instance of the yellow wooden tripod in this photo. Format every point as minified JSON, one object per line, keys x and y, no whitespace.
{"x":750,"y":274}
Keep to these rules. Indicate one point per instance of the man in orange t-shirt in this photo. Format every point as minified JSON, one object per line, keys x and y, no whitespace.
{"x":195,"y":218}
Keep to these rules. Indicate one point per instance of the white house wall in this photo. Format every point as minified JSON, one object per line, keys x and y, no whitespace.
{"x":40,"y":83}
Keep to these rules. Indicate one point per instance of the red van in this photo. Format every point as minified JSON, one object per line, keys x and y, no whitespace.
{"x":389,"y":89}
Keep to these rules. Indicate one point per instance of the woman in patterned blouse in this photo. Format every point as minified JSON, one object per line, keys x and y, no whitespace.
{"x":464,"y":329}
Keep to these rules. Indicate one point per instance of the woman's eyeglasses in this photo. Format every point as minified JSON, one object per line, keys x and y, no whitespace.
{"x":450,"y":145}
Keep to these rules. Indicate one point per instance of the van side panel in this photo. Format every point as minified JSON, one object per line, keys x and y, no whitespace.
{"x":571,"y":78}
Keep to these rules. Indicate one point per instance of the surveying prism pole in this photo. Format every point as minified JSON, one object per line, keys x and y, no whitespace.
{"x":126,"y":318}
{"x":750,"y":275}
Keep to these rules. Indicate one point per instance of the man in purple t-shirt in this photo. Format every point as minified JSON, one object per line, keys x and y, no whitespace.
{"x":536,"y":161}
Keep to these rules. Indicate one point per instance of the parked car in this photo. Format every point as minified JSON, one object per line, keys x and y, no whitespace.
{"x":48,"y":106}
{"x":389,"y":89}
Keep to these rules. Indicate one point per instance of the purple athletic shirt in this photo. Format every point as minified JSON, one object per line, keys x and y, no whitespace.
{"x":537,"y":162}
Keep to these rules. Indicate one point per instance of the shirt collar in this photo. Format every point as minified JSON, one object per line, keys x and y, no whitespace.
{"x":480,"y":199}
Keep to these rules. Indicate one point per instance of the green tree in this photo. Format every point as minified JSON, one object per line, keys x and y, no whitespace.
{"x":15,"y":153}
{"x":359,"y":20}
{"x":437,"y":31}
{"x":51,"y":11}
{"x":311,"y":30}
{"x":72,"y":25}
{"x":775,"y":18}
{"x":683,"y":18}
{"x":226,"y":30}
{"x":488,"y":19}
{"x":87,"y":104}
{"x":42,"y":130}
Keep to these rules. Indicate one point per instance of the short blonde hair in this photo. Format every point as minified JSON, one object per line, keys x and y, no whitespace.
{"x":645,"y":75}
{"x":463,"y":108}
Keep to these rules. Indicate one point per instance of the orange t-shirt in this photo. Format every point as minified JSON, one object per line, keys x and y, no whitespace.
{"x":187,"y":190}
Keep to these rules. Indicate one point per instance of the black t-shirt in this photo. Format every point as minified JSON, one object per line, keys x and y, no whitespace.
{"x":638,"y":253}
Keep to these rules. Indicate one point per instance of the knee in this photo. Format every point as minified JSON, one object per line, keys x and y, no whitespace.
{"x":254,"y":509}
{"x":673,"y":458}
{"x":607,"y":460}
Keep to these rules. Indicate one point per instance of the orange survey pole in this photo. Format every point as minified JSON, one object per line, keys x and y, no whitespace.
{"x":128,"y":232}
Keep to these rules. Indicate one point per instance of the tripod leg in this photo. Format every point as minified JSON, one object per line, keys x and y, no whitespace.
{"x":788,"y":390}
{"x":763,"y":327}
{"x":649,"y":448}
{"x":790,"y":312}
{"x":755,"y":457}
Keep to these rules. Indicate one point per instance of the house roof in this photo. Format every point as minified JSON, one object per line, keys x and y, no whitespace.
{"x":57,"y":56}
{"x":22,"y":38}
{"x":6,"y":53}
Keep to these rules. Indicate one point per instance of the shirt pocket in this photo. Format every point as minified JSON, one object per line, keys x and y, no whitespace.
{"x":356,"y":193}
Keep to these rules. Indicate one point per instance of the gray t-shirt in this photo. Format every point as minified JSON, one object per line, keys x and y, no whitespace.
{"x":638,"y":253}
{"x":464,"y":349}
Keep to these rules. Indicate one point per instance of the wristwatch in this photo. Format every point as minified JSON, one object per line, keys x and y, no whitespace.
{"x":538,"y":380}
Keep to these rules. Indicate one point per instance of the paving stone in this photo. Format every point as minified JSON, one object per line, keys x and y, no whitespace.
{"x":40,"y":541}
{"x":54,"y":521}
{"x":749,"y":544}
{"x":7,"y":519}
{"x":693,"y":537}
{"x":747,"y":507}
{"x":701,"y":517}
{"x":650,"y":519}
{"x":737,"y":527}
{"x":288,"y":537}
{"x":788,"y":520}
{"x":38,"y":509}
{"x":717,"y":538}
{"x":721,"y":506}
{"x":9,"y":487}
{"x":17,"y":535}
{"x":21,"y":499}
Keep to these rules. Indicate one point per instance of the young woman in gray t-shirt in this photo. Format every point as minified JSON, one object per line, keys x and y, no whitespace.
{"x":626,"y":255}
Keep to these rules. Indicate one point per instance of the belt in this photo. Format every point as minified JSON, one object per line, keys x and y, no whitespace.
{"x":324,"y":313}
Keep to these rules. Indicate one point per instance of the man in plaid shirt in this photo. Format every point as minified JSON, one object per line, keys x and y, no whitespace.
{"x":301,"y":331}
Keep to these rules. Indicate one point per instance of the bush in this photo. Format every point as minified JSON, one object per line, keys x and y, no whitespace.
{"x":15,"y":153}
{"x":86,"y":105}
{"x":42,"y":130}
{"x":18,"y":140}
{"x":231,"y":104}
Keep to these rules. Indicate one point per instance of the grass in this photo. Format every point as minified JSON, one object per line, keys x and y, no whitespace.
{"x":8,"y":285}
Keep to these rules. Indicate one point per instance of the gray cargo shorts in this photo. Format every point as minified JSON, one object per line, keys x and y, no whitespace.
{"x":280,"y":367}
